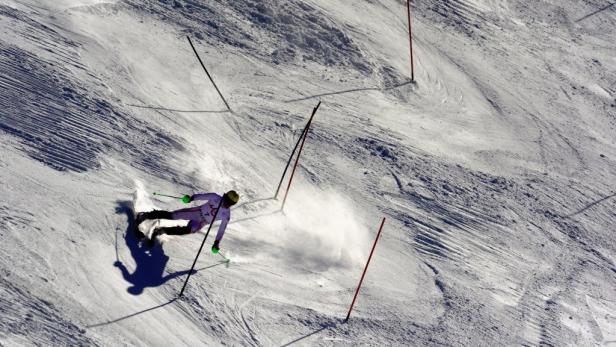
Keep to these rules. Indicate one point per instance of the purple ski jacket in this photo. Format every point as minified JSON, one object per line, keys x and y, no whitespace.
{"x":202,"y":215}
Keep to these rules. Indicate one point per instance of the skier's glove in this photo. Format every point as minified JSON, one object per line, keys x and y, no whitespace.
{"x":186,"y":199}
{"x":215,"y":247}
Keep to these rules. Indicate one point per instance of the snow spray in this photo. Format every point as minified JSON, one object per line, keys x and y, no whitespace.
{"x":319,"y":229}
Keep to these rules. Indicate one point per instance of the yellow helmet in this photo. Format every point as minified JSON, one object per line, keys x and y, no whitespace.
{"x":232,"y":196}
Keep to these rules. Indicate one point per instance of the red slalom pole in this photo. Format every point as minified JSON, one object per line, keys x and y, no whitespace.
{"x":408,"y":8}
{"x":365,"y":269}
{"x":314,"y":111}
{"x":299,"y":154}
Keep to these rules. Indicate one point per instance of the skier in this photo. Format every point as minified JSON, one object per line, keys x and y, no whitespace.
{"x":198,"y":217}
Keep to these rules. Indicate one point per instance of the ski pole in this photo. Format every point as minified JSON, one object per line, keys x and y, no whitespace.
{"x":185,"y":199}
{"x":169,"y":196}
{"x":202,"y":244}
{"x":226,"y":259}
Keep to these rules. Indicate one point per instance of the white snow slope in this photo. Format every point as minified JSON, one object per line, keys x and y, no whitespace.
{"x":496,"y":172}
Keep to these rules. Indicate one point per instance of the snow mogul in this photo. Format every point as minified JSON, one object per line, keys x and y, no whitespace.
{"x":198,"y":216}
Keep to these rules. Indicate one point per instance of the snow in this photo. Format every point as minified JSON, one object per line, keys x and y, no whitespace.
{"x":603,"y":313}
{"x":494,"y":170}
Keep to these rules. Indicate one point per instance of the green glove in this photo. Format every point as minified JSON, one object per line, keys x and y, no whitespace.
{"x":186,"y":199}
{"x":215,"y":247}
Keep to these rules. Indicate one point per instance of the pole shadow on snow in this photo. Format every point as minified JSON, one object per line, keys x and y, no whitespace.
{"x":596,"y":12}
{"x":132,"y":314}
{"x":158,"y":108}
{"x":253,"y":202}
{"x":150,"y":262}
{"x":147,"y":309}
{"x":255,"y":217}
{"x":323,"y":327}
{"x":591,"y":205}
{"x":350,"y":91}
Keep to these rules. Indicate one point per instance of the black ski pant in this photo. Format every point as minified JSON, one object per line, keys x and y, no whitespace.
{"x":158,"y":214}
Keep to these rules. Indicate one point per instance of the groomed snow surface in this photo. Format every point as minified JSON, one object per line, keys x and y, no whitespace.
{"x":496,"y":172}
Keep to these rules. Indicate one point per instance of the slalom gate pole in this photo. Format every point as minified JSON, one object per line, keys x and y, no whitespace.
{"x":314,"y":111}
{"x":286,"y":168}
{"x":208,"y":74}
{"x":168,"y":196}
{"x":202,"y":243}
{"x":408,"y":8}
{"x":299,"y":153}
{"x":366,"y":268}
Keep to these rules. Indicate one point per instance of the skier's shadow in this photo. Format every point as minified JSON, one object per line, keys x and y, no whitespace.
{"x":150,"y":262}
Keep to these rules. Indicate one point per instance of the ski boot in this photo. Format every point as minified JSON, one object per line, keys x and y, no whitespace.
{"x":141,"y":216}
{"x":155,"y":234}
